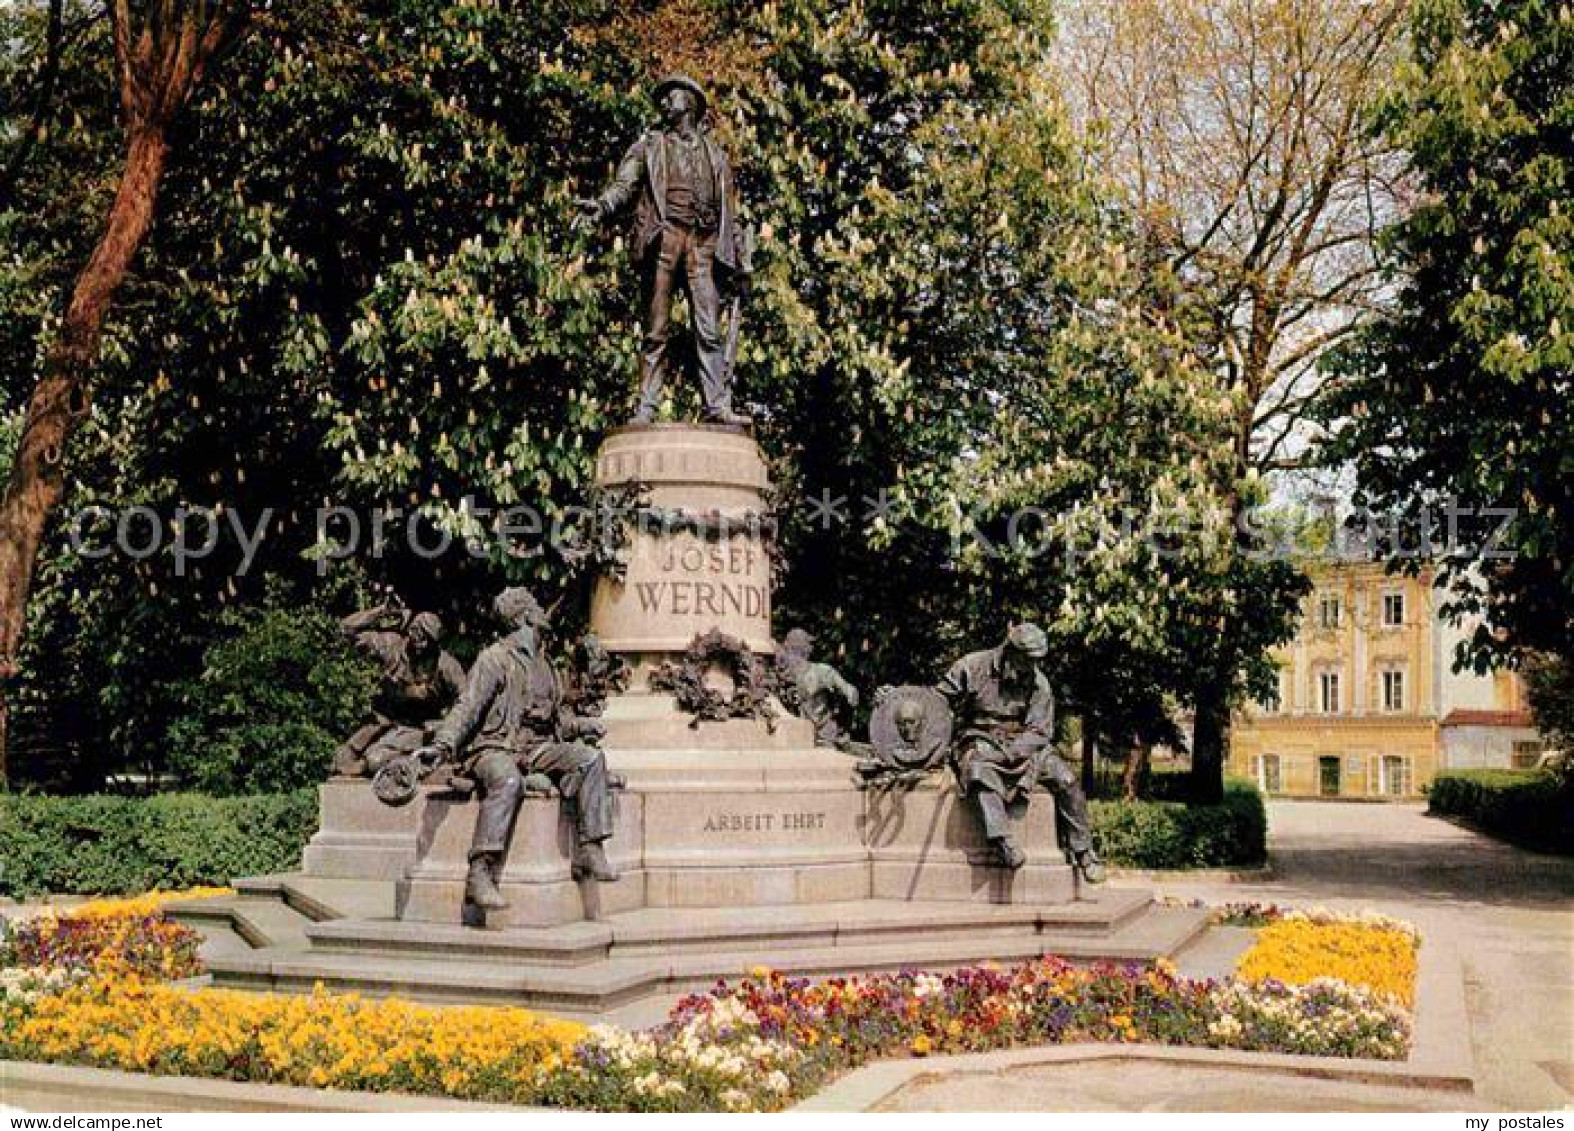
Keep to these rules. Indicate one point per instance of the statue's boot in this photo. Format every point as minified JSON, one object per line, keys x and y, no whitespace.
{"x":591,"y":861}
{"x":726,"y":415}
{"x":1009,"y":855}
{"x":481,"y":884}
{"x":1091,"y":867}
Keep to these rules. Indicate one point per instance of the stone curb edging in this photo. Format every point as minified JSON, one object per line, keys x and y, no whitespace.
{"x":1440,"y":1053}
{"x":74,"y":1088}
{"x":1262,"y":872}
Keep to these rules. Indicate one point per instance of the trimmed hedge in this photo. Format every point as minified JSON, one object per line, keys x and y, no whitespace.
{"x":1171,"y":834}
{"x":1526,"y":807}
{"x":102,"y":845}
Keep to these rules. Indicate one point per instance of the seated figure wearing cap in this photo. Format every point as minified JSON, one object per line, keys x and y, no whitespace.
{"x":1005,"y":722}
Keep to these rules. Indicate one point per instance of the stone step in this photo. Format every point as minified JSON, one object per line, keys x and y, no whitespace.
{"x":573,"y":944}
{"x":1215,"y":953}
{"x":863,"y":921}
{"x":717,"y":930}
{"x":321,"y":900}
{"x":261,"y":923}
{"x":593,"y":988}
{"x":220,"y":941}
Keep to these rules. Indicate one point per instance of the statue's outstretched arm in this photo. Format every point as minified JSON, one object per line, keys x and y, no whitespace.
{"x":625,"y":182}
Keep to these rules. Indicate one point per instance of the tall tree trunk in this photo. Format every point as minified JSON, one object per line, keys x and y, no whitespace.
{"x":1136,"y":770}
{"x":1089,"y":751}
{"x":60,"y":400}
{"x":1210,"y":738}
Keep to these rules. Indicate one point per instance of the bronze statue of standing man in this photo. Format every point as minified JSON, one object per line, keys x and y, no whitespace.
{"x":685,"y":237}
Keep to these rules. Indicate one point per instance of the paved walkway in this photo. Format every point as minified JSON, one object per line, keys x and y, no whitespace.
{"x":1510,"y":912}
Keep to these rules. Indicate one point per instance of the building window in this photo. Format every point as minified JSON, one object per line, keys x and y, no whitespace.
{"x":1394,"y":689}
{"x":1328,"y":611}
{"x":1393,"y":610}
{"x":1328,"y":775}
{"x":1273,"y":701}
{"x":1270,"y":774}
{"x":1526,"y":755}
{"x":1328,"y":692}
{"x":1394,"y":779}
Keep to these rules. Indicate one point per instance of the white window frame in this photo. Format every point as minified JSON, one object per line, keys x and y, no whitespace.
{"x":1393,"y":595}
{"x":1273,"y":702}
{"x":1330,"y":602}
{"x":1525,"y":754}
{"x":1261,"y":767}
{"x":1327,"y":691}
{"x":1387,"y":784}
{"x":1392,"y":679}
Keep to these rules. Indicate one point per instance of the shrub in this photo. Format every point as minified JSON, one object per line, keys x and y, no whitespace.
{"x":1532,"y":808}
{"x":272,"y":703}
{"x":120,"y":845}
{"x":1171,"y":834}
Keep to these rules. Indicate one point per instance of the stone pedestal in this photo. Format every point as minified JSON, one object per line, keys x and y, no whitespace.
{"x":537,"y":877}
{"x":358,"y":837}
{"x":924,"y":844}
{"x":698,"y":560}
{"x":683,"y":580}
{"x":739,"y":843}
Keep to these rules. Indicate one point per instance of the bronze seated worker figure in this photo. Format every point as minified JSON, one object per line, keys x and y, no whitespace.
{"x":511,"y":724}
{"x":1004,"y":715}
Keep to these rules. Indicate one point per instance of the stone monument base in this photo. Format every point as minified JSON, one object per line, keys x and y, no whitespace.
{"x":292,"y":933}
{"x":730,"y":859}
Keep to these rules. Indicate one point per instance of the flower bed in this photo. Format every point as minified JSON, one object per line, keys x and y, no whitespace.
{"x":321,"y":1040}
{"x":104,"y":936}
{"x":1317,"y":983}
{"x":1301,"y":950}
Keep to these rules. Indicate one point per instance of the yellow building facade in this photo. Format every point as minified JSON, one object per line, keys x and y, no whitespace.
{"x":1368,"y":705}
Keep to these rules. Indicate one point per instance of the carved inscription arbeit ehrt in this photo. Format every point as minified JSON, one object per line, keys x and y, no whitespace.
{"x":791,"y":821}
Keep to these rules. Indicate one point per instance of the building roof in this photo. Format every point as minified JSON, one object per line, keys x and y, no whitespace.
{"x":1470,"y":717}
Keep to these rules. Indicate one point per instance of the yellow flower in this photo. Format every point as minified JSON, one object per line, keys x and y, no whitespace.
{"x":1298,"y":951}
{"x":921,"y":1045}
{"x":140,"y":906}
{"x":116,"y":1021}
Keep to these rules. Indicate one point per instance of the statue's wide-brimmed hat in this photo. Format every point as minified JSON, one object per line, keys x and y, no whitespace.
{"x":682,"y":82}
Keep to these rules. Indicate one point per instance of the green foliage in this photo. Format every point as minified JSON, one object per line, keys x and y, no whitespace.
{"x":1463,"y":391}
{"x":272,"y":703}
{"x":103,"y":845}
{"x":363,"y":288}
{"x":1531,"y":808}
{"x":1549,"y":685}
{"x":1169,"y":834}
